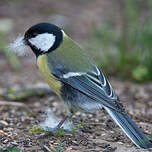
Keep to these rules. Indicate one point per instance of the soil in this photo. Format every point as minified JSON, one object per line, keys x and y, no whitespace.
{"x":98,"y":132}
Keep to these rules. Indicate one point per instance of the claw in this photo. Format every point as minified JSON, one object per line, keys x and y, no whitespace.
{"x":53,"y":132}
{"x":57,"y":129}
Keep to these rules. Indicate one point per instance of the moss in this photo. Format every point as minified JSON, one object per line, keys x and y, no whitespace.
{"x":36,"y":128}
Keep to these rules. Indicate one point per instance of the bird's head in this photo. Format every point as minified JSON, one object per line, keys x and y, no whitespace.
{"x":43,"y":38}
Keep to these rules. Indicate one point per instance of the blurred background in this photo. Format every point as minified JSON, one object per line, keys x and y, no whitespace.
{"x":117,"y":34}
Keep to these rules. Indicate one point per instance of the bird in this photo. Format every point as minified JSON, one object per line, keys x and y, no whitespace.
{"x":76,"y":79}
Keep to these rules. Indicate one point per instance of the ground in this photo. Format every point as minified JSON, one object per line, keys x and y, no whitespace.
{"x":98,"y":131}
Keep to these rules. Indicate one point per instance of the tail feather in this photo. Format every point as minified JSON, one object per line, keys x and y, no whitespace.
{"x":130,"y":129}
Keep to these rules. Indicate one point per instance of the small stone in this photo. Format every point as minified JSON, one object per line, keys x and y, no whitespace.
{"x":1,"y":132}
{"x":110,"y":124}
{"x":78,"y":113}
{"x":110,"y":149}
{"x":56,"y":144}
{"x":69,"y":148}
{"x":9,"y":129}
{"x":55,"y":104}
{"x":120,"y":143}
{"x":97,"y":134}
{"x":52,"y":147}
{"x":104,"y":145}
{"x":83,"y":115}
{"x":5,"y":141}
{"x":75,"y":143}
{"x":96,"y":120}
{"x":37,"y":104}
{"x":14,"y":143}
{"x":90,"y":115}
{"x":3,"y":124}
{"x":94,"y":137}
{"x":51,"y":142}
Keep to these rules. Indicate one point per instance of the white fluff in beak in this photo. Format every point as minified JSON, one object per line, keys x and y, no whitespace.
{"x":18,"y":46}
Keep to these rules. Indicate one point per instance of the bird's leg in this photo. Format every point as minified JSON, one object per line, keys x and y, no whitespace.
{"x":62,"y":121}
{"x":52,"y":131}
{"x":56,"y":129}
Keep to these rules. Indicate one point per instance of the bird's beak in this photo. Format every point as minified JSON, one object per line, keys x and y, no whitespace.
{"x":24,"y":41}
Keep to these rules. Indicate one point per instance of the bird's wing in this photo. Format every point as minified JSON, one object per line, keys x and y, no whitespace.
{"x":93,"y":84}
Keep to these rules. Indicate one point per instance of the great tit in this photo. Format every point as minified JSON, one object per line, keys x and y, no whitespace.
{"x":76,"y":79}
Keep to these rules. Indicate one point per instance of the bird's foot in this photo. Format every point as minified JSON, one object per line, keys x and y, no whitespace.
{"x":54,"y":132}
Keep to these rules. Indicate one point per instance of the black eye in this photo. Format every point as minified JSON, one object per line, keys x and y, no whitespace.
{"x":34,"y":34}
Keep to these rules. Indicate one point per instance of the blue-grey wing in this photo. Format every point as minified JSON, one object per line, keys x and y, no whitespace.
{"x":93,"y":84}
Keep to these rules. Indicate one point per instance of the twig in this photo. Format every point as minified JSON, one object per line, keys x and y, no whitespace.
{"x":46,"y":148}
{"x":24,"y":93}
{"x":18,"y":104}
{"x":10,"y":103}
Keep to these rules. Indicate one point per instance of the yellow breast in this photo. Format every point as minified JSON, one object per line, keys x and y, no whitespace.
{"x":48,"y":77}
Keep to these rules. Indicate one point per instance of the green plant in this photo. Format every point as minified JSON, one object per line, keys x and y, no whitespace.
{"x":74,"y":130}
{"x":10,"y":149}
{"x":60,"y":132}
{"x":80,"y":123}
{"x":6,"y":26}
{"x":140,"y":73}
{"x":35,"y":128}
{"x":12,"y":58}
{"x":150,"y":136}
{"x":59,"y":148}
{"x":126,"y":52}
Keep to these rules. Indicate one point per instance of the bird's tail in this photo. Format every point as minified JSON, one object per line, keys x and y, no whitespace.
{"x":130,"y":128}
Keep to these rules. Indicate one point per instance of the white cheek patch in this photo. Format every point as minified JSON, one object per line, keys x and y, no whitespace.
{"x":43,"y":41}
{"x":18,"y":46}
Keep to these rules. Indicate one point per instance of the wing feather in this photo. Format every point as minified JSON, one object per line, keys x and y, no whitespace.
{"x":94,"y":85}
